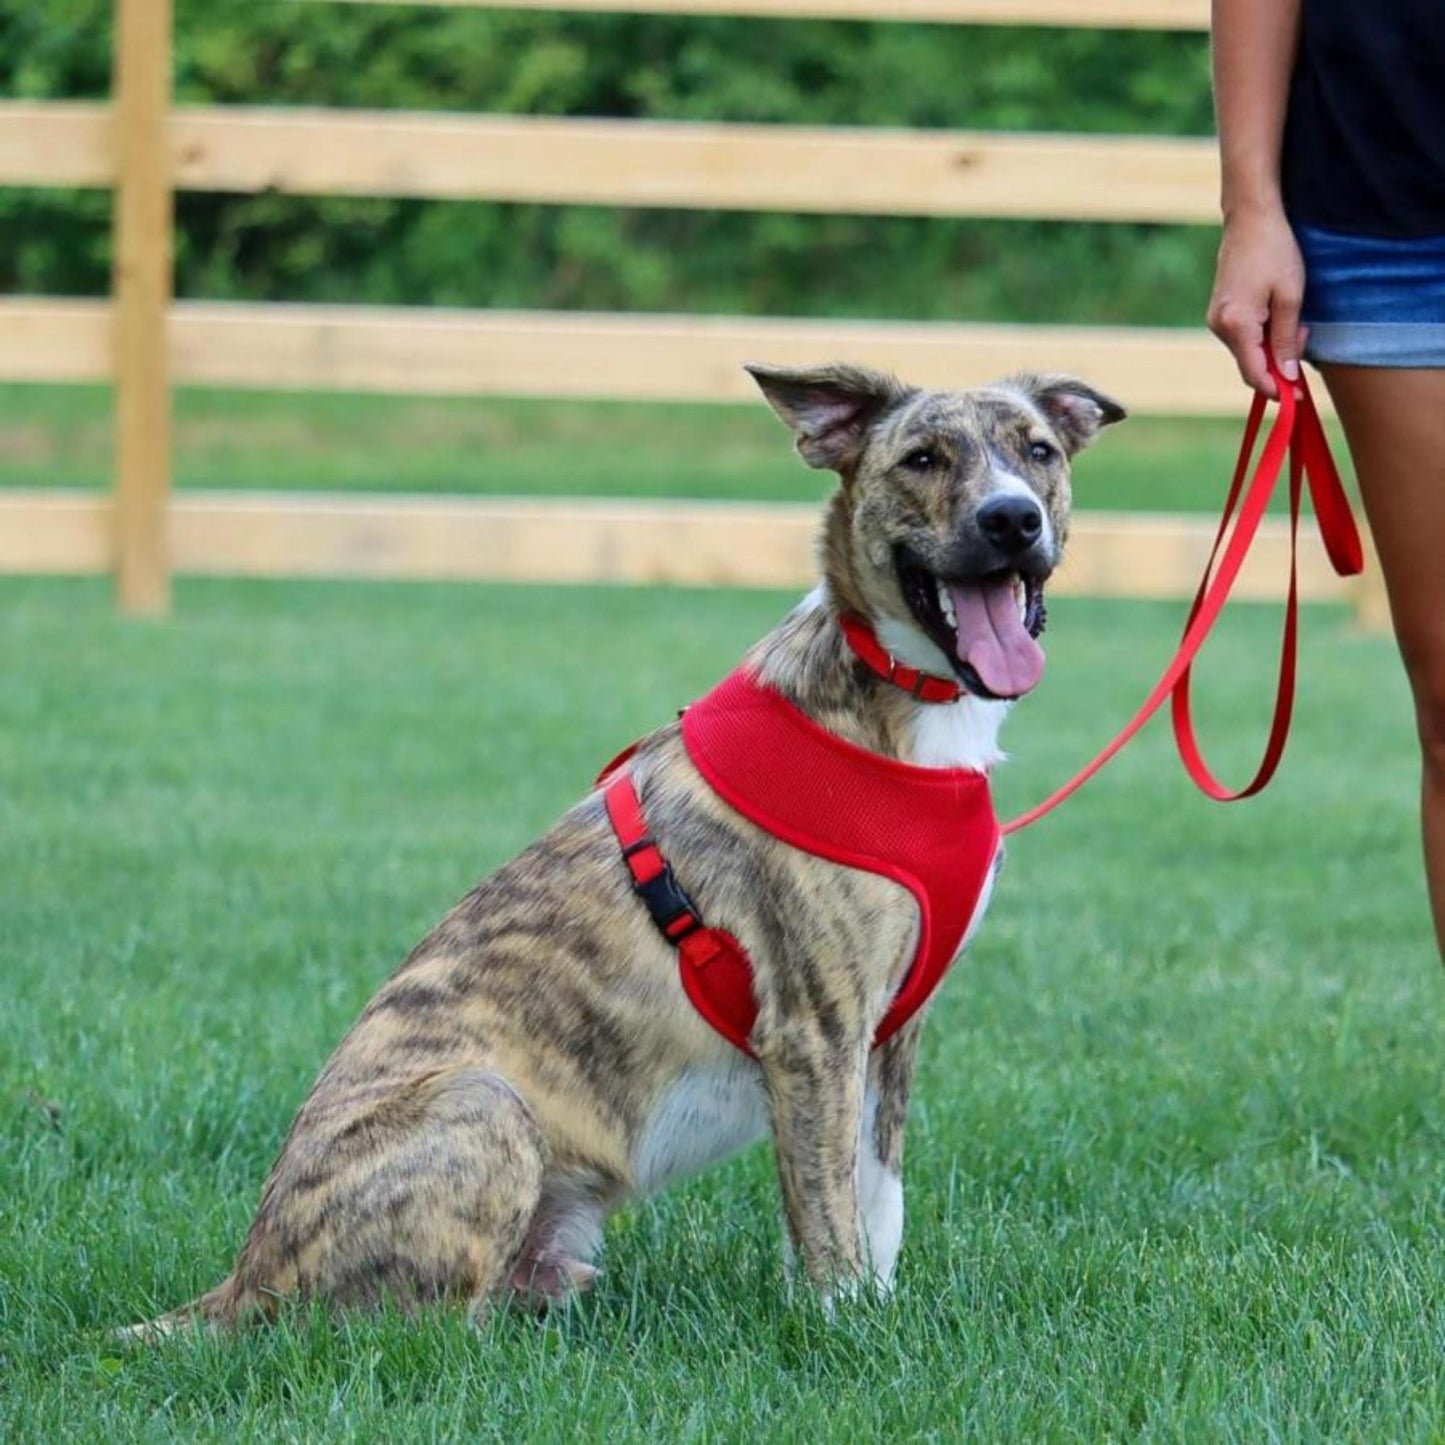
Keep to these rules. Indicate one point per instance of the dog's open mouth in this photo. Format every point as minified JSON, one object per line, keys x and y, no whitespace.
{"x":986,"y":626}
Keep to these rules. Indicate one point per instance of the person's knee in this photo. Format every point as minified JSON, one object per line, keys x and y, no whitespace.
{"x":1429,"y":690}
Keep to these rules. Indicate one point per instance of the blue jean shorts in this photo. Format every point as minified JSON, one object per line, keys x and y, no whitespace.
{"x":1372,"y":301}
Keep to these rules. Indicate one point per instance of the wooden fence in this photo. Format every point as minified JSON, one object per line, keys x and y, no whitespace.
{"x":144,"y":148}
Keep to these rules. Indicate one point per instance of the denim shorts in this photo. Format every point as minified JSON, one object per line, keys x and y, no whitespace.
{"x":1371,"y":301}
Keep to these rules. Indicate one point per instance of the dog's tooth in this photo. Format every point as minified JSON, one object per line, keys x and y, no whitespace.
{"x":945,"y":602}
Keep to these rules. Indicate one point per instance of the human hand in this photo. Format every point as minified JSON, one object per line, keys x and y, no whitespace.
{"x":1258,"y":287}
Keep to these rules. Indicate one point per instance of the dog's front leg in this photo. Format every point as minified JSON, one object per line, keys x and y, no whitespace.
{"x":880,"y":1152}
{"x":815,"y":1090}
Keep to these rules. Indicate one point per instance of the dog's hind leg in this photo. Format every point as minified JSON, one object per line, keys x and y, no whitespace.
{"x":422,"y":1195}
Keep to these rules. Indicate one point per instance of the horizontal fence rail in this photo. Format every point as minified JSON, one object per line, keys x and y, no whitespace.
{"x":401,"y":538}
{"x":146,"y":148}
{"x":872,"y":171}
{"x":616,"y":357}
{"x":57,"y":143}
{"x":1101,"y":14}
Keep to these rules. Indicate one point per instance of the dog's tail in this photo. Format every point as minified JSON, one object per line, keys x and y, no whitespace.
{"x":218,"y":1308}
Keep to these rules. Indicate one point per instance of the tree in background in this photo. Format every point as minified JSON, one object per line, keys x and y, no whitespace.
{"x":450,"y":253}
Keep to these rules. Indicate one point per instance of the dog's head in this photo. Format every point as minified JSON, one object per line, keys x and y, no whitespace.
{"x":953,"y":510}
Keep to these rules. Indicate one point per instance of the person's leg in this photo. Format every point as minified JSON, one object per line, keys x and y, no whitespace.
{"x":1394,"y":421}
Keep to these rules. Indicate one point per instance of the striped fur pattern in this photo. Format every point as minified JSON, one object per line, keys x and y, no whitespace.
{"x":534,"y":1064}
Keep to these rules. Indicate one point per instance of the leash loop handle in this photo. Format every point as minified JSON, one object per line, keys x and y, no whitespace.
{"x":1298,"y":435}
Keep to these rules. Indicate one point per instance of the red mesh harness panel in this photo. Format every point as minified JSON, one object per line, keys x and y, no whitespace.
{"x":933,"y":830}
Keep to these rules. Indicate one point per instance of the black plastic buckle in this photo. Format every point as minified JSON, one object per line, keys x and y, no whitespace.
{"x":667,"y":902}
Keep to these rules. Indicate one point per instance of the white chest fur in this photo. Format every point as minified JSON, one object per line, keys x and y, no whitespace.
{"x":962,"y":734}
{"x":708,"y":1113}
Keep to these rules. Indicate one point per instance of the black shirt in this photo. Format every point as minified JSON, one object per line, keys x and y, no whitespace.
{"x":1364,"y":150}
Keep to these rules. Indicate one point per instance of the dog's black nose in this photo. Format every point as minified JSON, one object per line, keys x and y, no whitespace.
{"x":1013,"y":524}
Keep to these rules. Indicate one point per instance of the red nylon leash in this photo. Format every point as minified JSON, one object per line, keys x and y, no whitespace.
{"x":1298,"y":435}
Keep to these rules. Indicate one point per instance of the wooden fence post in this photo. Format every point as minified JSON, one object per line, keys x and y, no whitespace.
{"x":142,"y":293}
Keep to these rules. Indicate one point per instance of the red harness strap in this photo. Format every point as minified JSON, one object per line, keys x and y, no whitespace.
{"x":933,"y":830}
{"x":716,"y":972}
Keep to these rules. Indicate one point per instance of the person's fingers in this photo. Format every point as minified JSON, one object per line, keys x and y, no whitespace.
{"x":1285,"y":340}
{"x":1241,"y":329}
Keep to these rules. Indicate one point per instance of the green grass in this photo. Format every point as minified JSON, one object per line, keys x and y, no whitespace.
{"x":1177,"y":1163}
{"x":61,"y":436}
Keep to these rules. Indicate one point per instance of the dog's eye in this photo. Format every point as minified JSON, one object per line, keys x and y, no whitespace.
{"x":924,"y":459}
{"x":1042,"y":452}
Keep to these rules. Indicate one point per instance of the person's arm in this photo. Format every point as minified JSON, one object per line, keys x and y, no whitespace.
{"x":1259,"y":281}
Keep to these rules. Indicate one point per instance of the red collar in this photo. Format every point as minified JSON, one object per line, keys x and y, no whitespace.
{"x":924,"y":686}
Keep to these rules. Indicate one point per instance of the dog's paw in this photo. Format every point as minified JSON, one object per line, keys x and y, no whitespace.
{"x":845,"y":1294}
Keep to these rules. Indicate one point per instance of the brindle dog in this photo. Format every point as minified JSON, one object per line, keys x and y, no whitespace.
{"x":534,"y":1064}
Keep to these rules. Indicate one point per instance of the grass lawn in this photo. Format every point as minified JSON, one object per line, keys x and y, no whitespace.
{"x":61,"y":436}
{"x":1177,"y":1163}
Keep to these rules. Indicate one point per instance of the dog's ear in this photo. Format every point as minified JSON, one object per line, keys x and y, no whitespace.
{"x":829,"y":408}
{"x":1075,"y":411}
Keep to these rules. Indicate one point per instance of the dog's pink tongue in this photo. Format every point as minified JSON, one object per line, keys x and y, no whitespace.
{"x":993,"y":640}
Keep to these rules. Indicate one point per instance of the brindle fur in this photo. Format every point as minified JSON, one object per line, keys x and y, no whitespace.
{"x":534,"y":1063}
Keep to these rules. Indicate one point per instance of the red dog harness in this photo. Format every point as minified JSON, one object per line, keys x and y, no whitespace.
{"x":931,"y":829}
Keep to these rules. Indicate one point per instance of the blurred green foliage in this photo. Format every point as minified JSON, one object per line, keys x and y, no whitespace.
{"x":398,"y":251}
